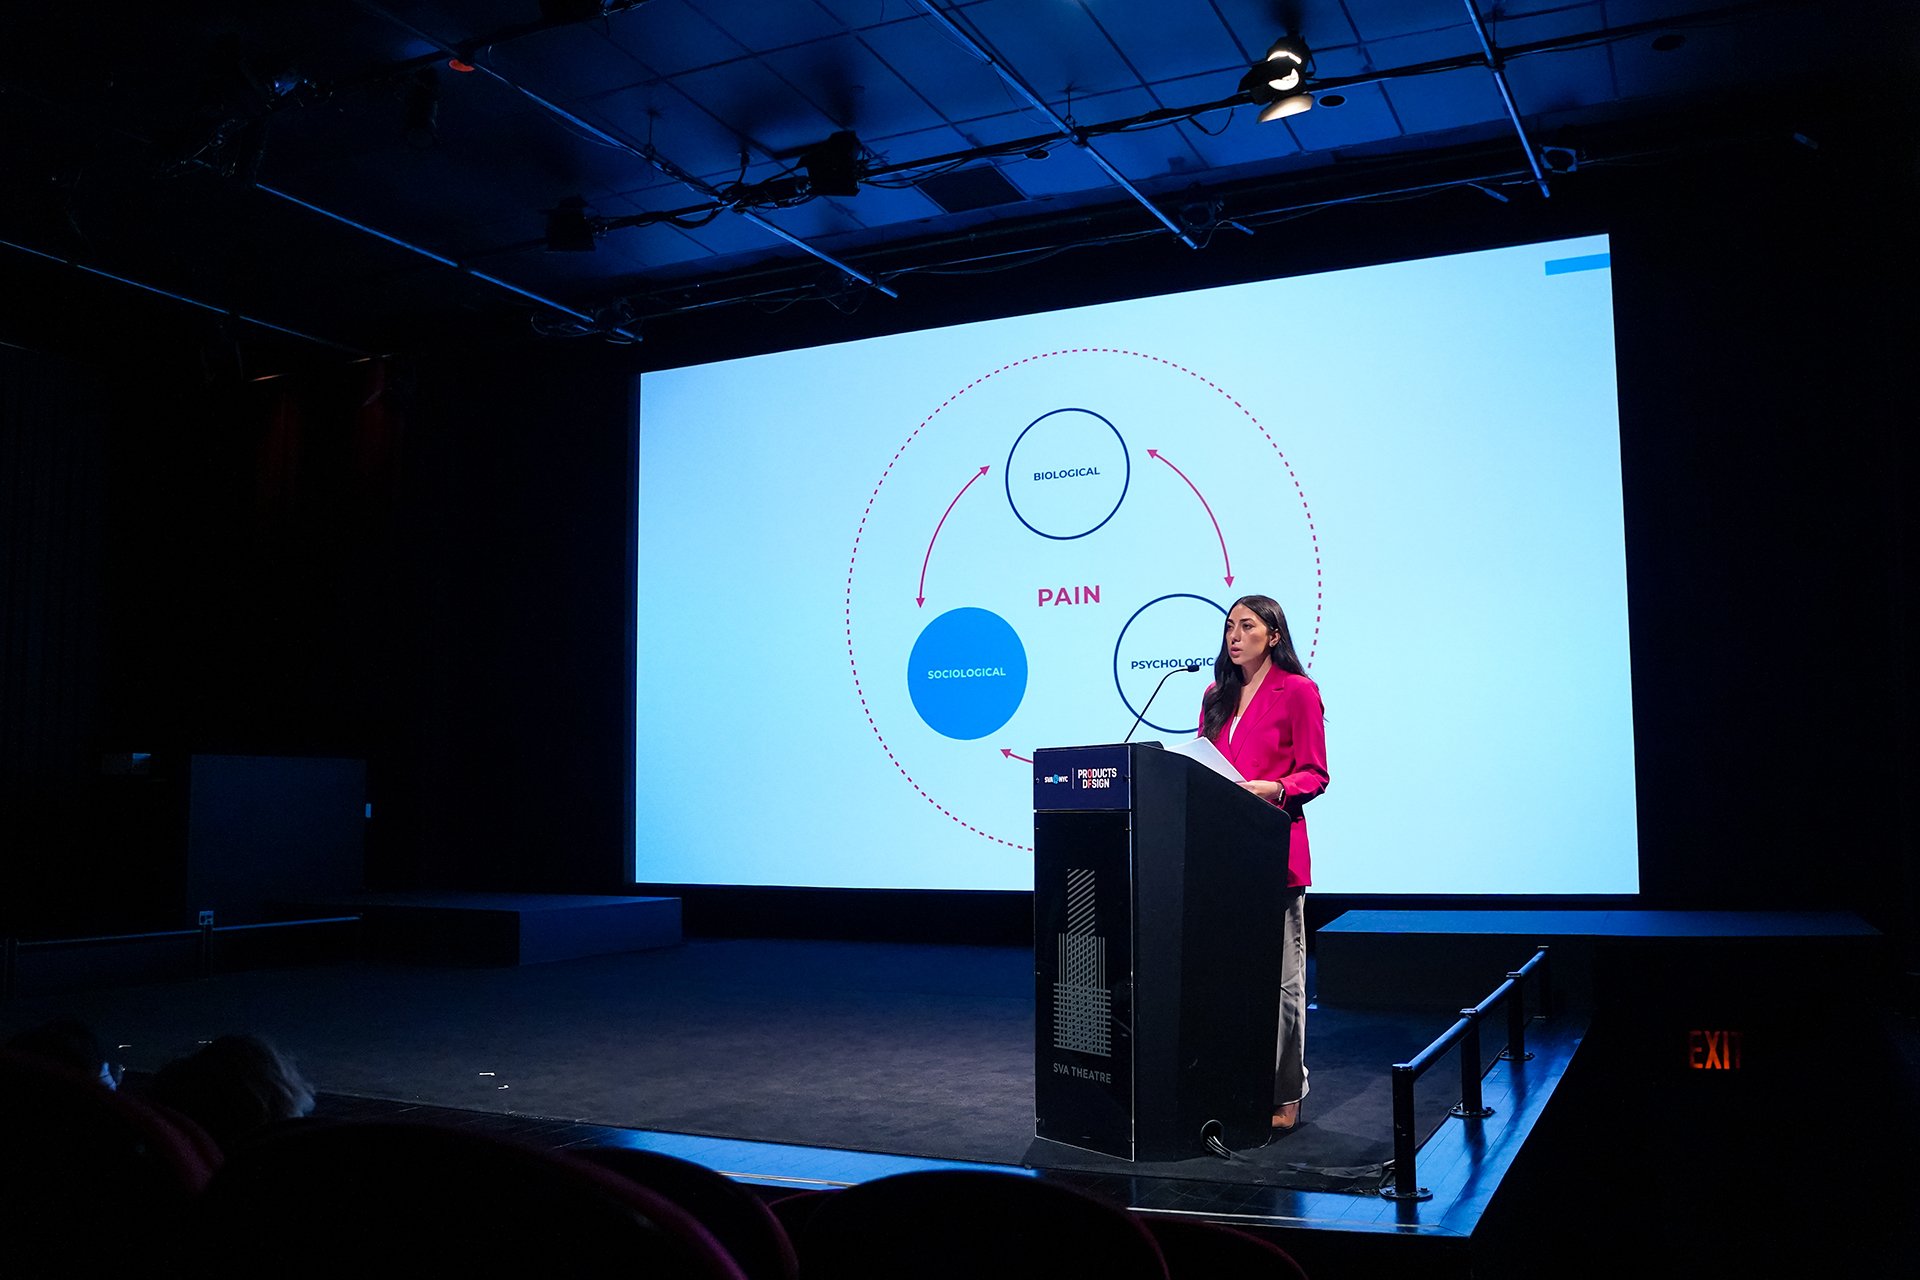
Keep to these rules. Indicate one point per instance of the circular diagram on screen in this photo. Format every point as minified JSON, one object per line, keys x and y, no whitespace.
{"x":988,"y":615}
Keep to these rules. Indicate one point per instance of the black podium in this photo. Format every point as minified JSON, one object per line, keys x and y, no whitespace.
{"x":1156,"y":941}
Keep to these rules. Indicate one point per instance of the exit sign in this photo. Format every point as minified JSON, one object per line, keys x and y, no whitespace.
{"x":1713,"y":1050}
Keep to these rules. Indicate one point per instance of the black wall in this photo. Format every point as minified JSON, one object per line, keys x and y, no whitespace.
{"x":423,"y":561}
{"x":54,"y":429}
{"x":1763,"y":328}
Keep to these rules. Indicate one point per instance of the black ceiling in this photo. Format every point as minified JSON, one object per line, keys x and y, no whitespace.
{"x":323,"y":167}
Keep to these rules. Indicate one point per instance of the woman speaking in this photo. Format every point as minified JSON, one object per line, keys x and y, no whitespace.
{"x":1265,"y":716}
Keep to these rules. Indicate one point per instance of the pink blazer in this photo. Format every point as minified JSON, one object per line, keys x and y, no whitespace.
{"x":1283,"y":739}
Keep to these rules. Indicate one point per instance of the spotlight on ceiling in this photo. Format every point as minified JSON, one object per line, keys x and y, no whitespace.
{"x":569,"y":229}
{"x":1277,"y":83}
{"x":1286,"y":62}
{"x":1291,"y":105}
{"x":833,"y":167}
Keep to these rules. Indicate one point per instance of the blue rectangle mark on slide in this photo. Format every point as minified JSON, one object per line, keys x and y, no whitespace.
{"x":1591,"y":262}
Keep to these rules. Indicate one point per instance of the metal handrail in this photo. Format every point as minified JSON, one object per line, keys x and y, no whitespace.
{"x":283,"y":924}
{"x":158,"y":935}
{"x":11,"y":947}
{"x":1465,"y":1032}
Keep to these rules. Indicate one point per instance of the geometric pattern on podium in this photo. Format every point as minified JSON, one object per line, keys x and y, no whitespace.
{"x":1082,"y":1004}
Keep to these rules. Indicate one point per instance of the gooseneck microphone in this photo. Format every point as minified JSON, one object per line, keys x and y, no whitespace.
{"x":1190,"y":667}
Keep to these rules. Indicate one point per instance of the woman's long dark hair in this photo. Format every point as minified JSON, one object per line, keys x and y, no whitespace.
{"x":1224,"y":698}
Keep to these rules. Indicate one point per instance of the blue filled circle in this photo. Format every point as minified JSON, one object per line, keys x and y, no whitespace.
{"x":967,"y":673}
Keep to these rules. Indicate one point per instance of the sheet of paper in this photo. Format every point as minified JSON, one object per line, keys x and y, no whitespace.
{"x":1204,"y":752}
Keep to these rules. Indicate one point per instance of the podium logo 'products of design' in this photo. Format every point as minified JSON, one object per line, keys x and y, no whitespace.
{"x":1082,"y":1005}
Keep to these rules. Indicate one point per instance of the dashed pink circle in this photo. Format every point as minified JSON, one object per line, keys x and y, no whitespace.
{"x":1319,"y":586}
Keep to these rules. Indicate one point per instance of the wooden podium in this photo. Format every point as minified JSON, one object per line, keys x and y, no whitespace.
{"x":1156,"y":944}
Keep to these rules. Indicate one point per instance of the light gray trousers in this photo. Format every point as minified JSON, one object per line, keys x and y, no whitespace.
{"x":1289,"y":1060}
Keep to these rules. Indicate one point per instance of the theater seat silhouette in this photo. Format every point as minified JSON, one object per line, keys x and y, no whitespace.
{"x":334,"y":1199}
{"x":1206,"y":1251}
{"x":90,"y":1180}
{"x":953,"y":1223}
{"x":736,"y":1217}
{"x":796,"y":1208}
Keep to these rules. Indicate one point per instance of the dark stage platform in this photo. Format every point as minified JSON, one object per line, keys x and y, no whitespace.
{"x":502,"y":928}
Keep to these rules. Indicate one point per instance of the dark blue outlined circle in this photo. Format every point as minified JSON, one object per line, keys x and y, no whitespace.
{"x":1122,"y":639}
{"x":1006,"y":473}
{"x":967,"y":673}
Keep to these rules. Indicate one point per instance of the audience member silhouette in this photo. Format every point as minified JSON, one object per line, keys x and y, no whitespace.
{"x":69,"y":1044}
{"x":234,"y":1088}
{"x":92,"y":1182}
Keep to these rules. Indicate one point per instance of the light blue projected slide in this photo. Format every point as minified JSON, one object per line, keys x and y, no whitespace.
{"x":874,"y":577}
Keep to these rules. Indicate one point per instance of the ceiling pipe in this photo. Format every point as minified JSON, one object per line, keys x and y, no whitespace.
{"x":468,"y":48}
{"x":1076,"y":136}
{"x":444,"y":261}
{"x":1163,"y":115}
{"x":674,"y":171}
{"x":332,"y":216}
{"x":646,"y":154}
{"x":717,"y":202}
{"x":169,"y":294}
{"x":1496,"y":66}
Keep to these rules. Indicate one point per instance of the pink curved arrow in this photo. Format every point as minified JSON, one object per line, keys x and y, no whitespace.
{"x":1012,"y":755}
{"x":920,"y":599}
{"x":1155,"y":453}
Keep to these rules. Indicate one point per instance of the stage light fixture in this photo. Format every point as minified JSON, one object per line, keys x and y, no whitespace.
{"x":1291,"y":105}
{"x":1277,"y":83}
{"x":1286,"y":64}
{"x":833,"y":167}
{"x":569,"y":230}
